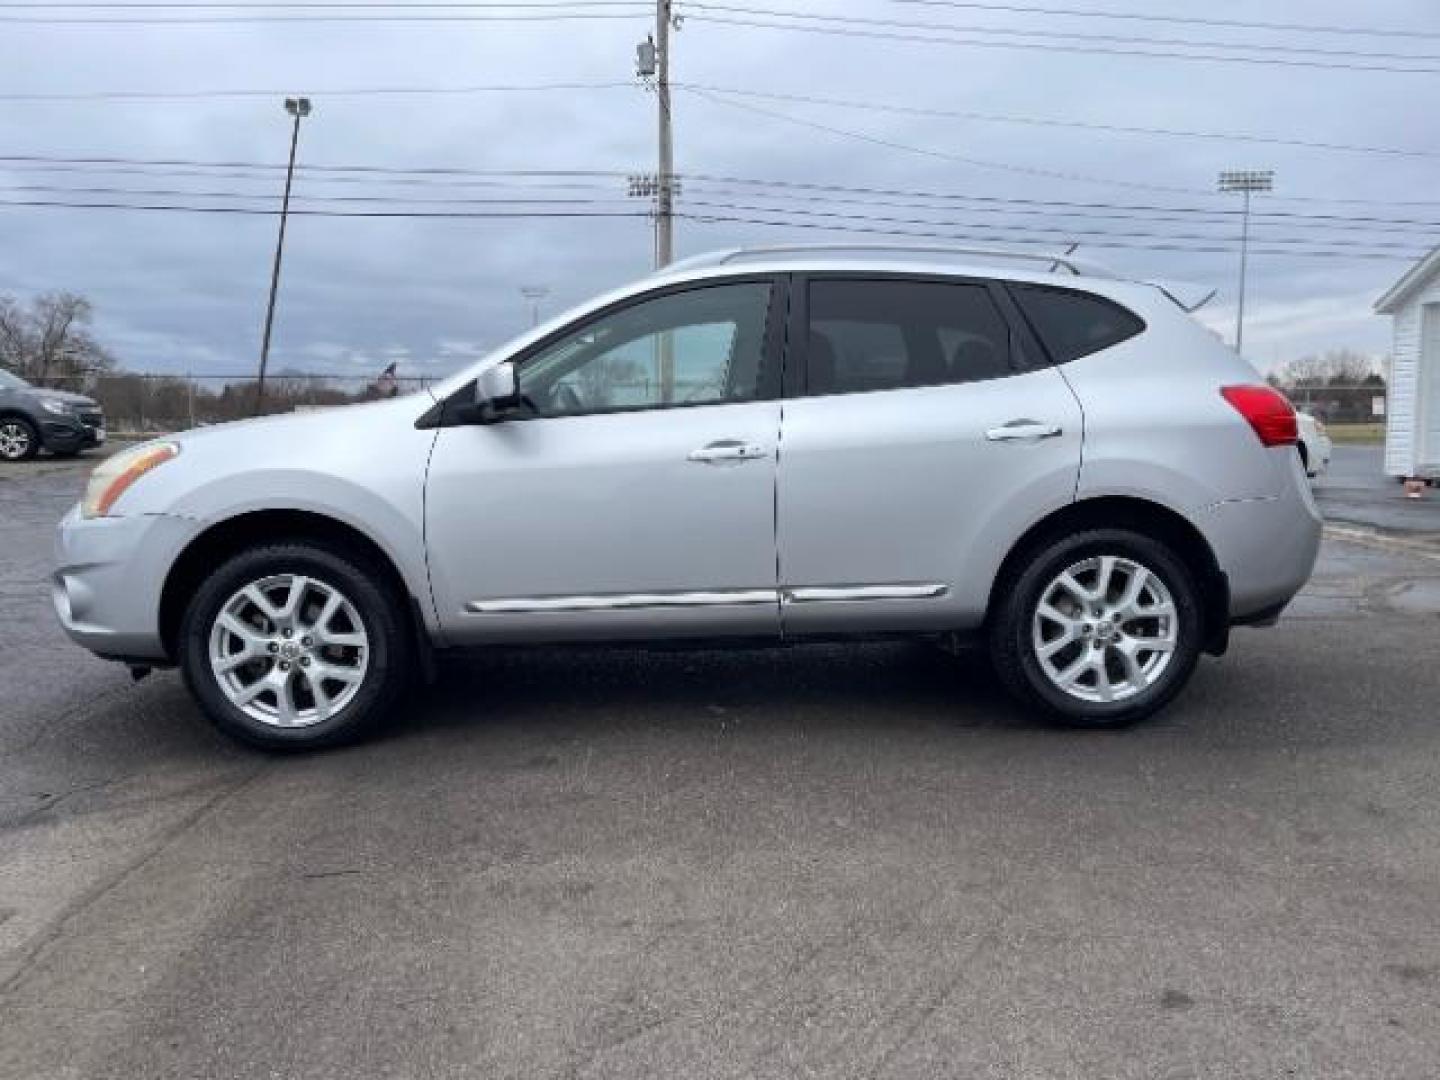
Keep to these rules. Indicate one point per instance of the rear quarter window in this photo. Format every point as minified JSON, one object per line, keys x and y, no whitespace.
{"x":1072,"y":324}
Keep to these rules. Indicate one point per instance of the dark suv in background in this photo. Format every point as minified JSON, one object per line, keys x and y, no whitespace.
{"x":33,"y":418}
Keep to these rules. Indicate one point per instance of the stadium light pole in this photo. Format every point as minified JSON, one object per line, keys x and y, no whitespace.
{"x":299,"y":108}
{"x":534,"y":294}
{"x":1247,"y":182}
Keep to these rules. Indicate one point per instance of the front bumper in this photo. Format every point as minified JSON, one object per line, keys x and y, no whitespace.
{"x":69,"y":434}
{"x":109,"y":576}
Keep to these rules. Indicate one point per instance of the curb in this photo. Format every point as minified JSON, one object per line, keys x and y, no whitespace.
{"x":1368,"y":537}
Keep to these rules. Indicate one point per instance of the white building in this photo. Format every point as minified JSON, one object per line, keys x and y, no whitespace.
{"x":1412,"y":413}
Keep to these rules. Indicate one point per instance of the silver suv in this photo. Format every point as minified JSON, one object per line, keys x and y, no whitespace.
{"x":765,"y":445}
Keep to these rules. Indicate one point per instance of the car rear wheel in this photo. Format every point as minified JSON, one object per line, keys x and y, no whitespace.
{"x":1099,"y":629}
{"x":295,"y":646}
{"x":18,"y":439}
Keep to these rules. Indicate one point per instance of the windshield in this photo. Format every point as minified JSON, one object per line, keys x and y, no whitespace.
{"x":11,"y":382}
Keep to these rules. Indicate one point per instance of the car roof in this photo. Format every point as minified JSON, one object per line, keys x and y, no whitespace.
{"x":1059,"y":269}
{"x":890,"y":258}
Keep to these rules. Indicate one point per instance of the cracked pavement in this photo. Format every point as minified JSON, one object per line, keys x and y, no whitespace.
{"x":830,"y":860}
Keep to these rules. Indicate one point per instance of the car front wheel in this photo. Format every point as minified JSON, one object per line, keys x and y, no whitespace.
{"x":1099,"y":629}
{"x":18,"y":439}
{"x":295,"y":646}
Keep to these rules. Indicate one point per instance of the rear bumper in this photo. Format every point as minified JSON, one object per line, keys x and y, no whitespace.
{"x":1265,"y":547}
{"x":109,"y":576}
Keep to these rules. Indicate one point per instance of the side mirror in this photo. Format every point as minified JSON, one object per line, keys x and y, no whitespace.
{"x":497,"y":388}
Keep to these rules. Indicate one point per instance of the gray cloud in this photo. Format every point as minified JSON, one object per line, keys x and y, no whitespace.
{"x":186,"y":293}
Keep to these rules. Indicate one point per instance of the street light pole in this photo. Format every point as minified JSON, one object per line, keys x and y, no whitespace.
{"x":298,"y":108}
{"x":1247,"y":182}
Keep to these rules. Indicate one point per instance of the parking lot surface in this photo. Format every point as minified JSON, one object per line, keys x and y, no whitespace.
{"x":1355,"y":490}
{"x":828,"y":861}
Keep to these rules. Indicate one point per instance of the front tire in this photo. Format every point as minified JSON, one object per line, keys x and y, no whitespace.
{"x":295,"y":645}
{"x":19,"y":441}
{"x":1099,"y":629}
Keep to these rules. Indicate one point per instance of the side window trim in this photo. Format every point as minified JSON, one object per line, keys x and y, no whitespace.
{"x":797,"y":353}
{"x":767,"y":384}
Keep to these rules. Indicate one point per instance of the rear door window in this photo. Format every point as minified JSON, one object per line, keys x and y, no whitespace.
{"x":1072,"y":324}
{"x":887,"y":334}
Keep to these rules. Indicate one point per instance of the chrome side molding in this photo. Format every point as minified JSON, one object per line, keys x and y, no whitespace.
{"x":820,"y":594}
{"x":535,"y":605}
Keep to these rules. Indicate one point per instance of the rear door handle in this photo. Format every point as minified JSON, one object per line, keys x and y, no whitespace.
{"x":727,"y":450}
{"x":1023,"y":429}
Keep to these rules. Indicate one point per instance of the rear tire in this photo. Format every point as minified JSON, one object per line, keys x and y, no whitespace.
{"x":19,"y":441}
{"x":1099,"y":629}
{"x":296,"y":645}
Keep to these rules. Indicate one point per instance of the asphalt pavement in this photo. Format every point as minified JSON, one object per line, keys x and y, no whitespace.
{"x":819,"y":861}
{"x":1355,"y":490}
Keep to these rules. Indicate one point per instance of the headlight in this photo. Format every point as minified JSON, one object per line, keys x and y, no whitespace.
{"x":56,"y":406}
{"x":113,"y":476}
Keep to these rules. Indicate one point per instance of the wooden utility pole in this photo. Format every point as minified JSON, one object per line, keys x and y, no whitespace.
{"x":664,"y":201}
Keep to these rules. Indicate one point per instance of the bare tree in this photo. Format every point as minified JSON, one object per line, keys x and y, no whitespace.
{"x":50,"y":338}
{"x":1338,"y":367}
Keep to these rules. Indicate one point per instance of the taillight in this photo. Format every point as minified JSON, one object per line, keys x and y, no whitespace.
{"x":1267,"y":411}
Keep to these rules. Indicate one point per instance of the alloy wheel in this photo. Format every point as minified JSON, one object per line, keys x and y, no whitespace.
{"x":14,"y":441}
{"x":289,"y":650}
{"x":1105,"y":629}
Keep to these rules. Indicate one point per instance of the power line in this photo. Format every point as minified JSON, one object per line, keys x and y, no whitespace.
{"x":969,"y":5}
{"x":1189,"y":20}
{"x":943,"y":155}
{"x":912,"y":234}
{"x":1010,"y":167}
{"x":410,"y":200}
{"x":278,"y":17}
{"x":1030,"y":208}
{"x":1067,"y":232}
{"x":385,"y":170}
{"x":997,"y":118}
{"x":733,"y":188}
{"x":589,"y":179}
{"x":931,"y":39}
{"x":793,"y":218}
{"x":141,"y":96}
{"x":365,"y":91}
{"x":248,"y":211}
{"x":1062,"y":35}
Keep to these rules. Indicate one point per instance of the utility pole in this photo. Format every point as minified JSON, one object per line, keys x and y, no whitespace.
{"x":1247,"y":182}
{"x":298,"y":108}
{"x":652,"y":62}
{"x":664,"y":202}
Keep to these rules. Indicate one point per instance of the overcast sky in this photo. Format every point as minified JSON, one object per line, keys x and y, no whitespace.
{"x":186,"y":292}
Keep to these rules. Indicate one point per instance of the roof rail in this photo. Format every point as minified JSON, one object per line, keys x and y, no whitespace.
{"x":1078,"y":267}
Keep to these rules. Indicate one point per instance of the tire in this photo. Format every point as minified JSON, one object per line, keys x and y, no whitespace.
{"x":360,"y":652}
{"x":19,"y":441}
{"x":1167,"y":614}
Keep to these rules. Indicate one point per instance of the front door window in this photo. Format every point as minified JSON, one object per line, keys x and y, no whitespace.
{"x":703,"y":346}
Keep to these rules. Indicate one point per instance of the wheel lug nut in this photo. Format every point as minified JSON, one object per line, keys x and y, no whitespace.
{"x":284,"y":666}
{"x":305,"y":661}
{"x":274,"y":647}
{"x":306,"y":639}
{"x":285,"y":633}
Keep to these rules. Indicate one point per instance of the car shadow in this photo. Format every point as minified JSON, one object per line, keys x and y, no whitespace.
{"x":890,"y":684}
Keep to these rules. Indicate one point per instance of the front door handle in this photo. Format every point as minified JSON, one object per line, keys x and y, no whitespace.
{"x":1023,"y":429}
{"x":727,"y":450}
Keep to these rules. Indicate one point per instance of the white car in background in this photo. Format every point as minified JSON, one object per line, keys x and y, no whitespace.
{"x":1314,"y":444}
